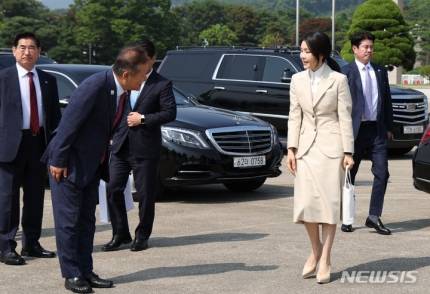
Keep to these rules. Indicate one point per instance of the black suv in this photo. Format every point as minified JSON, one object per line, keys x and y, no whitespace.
{"x":257,"y":81}
{"x":7,"y":59}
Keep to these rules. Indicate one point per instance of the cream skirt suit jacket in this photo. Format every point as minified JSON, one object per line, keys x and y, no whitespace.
{"x":320,"y":129}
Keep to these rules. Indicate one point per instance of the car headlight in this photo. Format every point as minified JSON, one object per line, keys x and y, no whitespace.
{"x":184,"y":137}
{"x":274,"y":132}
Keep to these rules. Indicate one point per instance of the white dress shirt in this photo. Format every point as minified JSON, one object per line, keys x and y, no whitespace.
{"x":315,"y":77}
{"x":119,"y":90}
{"x":24,"y":86}
{"x":375,"y":95}
{"x":135,"y":94}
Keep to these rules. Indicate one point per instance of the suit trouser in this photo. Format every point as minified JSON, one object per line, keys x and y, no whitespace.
{"x":369,"y":143}
{"x":27,"y":171}
{"x":145,"y":173}
{"x":74,"y":217}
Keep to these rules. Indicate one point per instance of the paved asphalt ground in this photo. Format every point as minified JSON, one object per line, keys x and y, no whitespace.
{"x":208,"y":240}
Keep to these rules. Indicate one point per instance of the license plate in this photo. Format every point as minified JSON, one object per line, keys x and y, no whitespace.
{"x":249,"y":161}
{"x":413,"y":129}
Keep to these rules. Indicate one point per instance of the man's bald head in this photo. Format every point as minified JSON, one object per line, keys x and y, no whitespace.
{"x":129,"y":59}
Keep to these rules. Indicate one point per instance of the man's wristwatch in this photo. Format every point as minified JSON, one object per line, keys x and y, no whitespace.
{"x":142,"y":119}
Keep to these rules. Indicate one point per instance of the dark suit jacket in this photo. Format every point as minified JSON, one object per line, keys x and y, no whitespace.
{"x":11,"y":110}
{"x":83,"y":135}
{"x":385,"y":110}
{"x":157,"y":103}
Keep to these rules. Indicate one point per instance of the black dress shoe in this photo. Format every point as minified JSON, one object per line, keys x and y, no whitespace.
{"x":12,"y":258}
{"x":139,"y":245}
{"x":379,"y":227}
{"x":37,"y":251}
{"x":78,"y":285}
{"x":116,"y":242}
{"x":347,"y":228}
{"x":96,"y":282}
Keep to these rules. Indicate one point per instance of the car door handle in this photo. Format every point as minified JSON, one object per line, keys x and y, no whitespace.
{"x":261,"y":91}
{"x":219,"y":88}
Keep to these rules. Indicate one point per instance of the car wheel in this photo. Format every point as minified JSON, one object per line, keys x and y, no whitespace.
{"x":245,"y":185}
{"x":399,"y":151}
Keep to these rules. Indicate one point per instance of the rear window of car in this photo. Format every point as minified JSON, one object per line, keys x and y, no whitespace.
{"x":239,"y":67}
{"x":185,"y":66}
{"x":274,"y":68}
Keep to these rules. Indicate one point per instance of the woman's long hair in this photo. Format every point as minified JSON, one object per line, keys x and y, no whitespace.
{"x":319,"y":45}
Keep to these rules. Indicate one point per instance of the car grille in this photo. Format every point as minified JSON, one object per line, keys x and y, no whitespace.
{"x":241,"y":140}
{"x":409,"y":111}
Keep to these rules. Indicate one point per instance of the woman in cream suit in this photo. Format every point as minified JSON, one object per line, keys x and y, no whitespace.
{"x":320,"y":147}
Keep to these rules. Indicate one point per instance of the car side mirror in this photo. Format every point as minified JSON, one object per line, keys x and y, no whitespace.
{"x":286,"y":76}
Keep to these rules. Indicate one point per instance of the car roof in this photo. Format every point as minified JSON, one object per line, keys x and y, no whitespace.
{"x":77,"y":72}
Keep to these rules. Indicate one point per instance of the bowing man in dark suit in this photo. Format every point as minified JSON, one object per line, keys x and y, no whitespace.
{"x":136,"y":146}
{"x":29,"y":113}
{"x":372,"y":117}
{"x":76,"y":158}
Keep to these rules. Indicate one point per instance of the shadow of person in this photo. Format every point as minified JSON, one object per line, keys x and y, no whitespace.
{"x":198,"y":239}
{"x":389,"y":264}
{"x":205,"y":238}
{"x":190,"y":270}
{"x":50,"y":232}
{"x":409,"y":225}
{"x":218,"y":194}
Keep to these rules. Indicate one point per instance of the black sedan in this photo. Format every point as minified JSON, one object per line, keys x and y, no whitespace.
{"x":204,"y":145}
{"x":421,"y":163}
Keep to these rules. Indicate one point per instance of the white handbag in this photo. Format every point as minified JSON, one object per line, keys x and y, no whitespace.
{"x":348,"y":200}
{"x":103,"y":206}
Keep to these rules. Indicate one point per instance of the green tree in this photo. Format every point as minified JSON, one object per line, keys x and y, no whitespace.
{"x":18,"y":16}
{"x":66,"y":50}
{"x":196,"y":16}
{"x":393,"y":45}
{"x":244,"y":22}
{"x":276,"y":26}
{"x":218,"y":35}
{"x":109,"y":24}
{"x":273,"y":40}
{"x":424,"y":71}
{"x":417,"y":15}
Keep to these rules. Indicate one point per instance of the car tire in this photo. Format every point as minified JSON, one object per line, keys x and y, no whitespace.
{"x":245,"y":185}
{"x":399,"y":151}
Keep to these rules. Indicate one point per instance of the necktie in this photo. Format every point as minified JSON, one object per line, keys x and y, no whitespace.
{"x":368,"y":105}
{"x":119,"y":111}
{"x":34,"y":113}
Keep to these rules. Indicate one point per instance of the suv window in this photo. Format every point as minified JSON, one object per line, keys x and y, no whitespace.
{"x":180,"y":67}
{"x":239,"y":67}
{"x":254,"y":68}
{"x":274,"y":69}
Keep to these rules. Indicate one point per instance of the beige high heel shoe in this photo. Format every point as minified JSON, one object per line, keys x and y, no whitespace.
{"x":309,"y":272}
{"x":324,"y":278}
